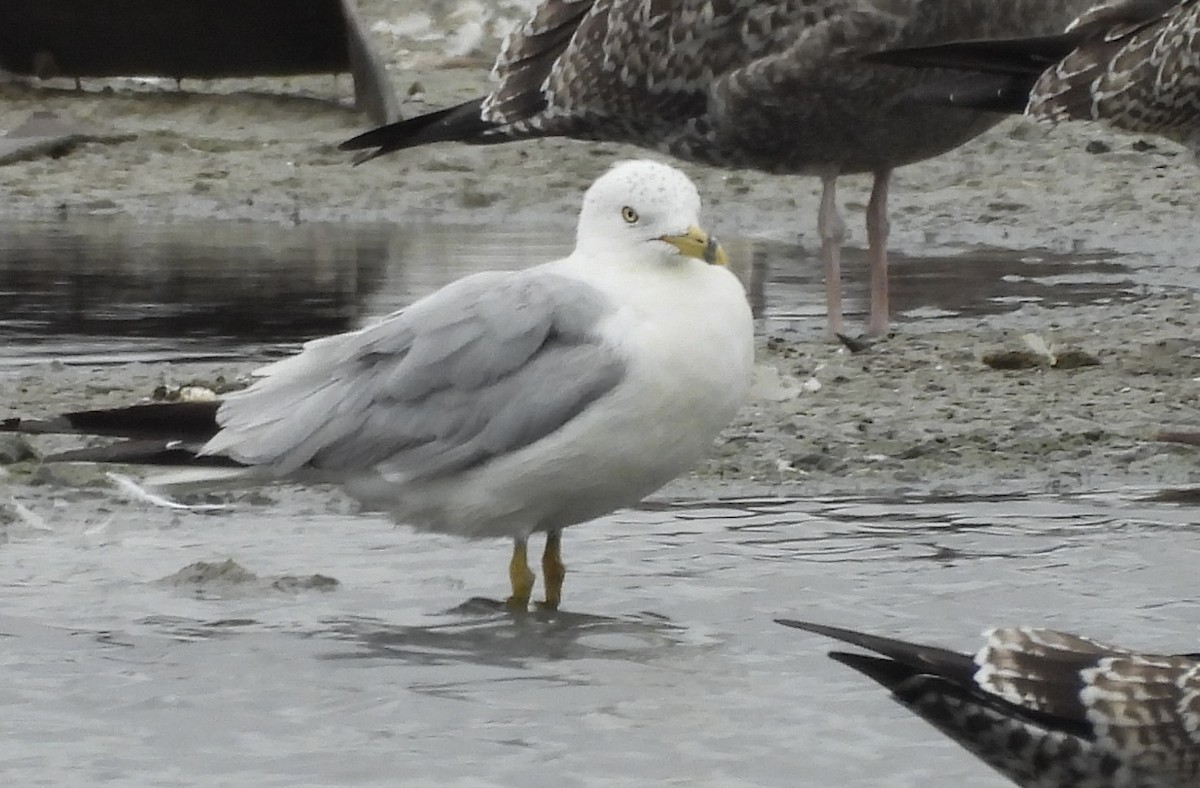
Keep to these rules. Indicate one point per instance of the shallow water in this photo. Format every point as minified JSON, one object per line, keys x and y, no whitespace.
{"x":109,"y":290}
{"x":666,"y":665}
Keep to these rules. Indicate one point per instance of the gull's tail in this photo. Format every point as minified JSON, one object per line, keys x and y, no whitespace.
{"x":158,"y":434}
{"x":461,"y":123}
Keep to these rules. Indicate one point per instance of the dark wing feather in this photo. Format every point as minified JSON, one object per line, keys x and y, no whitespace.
{"x":1134,"y":63}
{"x":166,"y":420}
{"x":458,"y":123}
{"x":924,"y":659}
{"x":167,"y":453}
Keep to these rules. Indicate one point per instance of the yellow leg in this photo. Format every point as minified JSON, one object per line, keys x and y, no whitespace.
{"x":553,"y":570}
{"x":520,"y":577}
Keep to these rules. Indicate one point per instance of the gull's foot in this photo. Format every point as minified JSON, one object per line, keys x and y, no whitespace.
{"x":517,"y":605}
{"x":521,"y":579}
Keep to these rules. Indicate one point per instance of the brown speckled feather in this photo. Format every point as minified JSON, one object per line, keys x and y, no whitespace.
{"x":1048,"y":709}
{"x":1140,"y":76}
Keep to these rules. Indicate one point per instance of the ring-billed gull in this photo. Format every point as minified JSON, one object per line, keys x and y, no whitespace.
{"x":1131,"y":63}
{"x":506,"y":403}
{"x":1048,"y":709}
{"x":773,"y":85}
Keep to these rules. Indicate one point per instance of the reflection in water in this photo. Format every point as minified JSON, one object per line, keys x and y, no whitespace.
{"x":482,"y":632}
{"x":215,"y":280}
{"x":186,"y":629}
{"x":116,"y":290}
{"x":966,"y":283}
{"x":479,"y":631}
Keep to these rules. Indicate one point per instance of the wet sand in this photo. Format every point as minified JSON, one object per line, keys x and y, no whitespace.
{"x":919,"y":412}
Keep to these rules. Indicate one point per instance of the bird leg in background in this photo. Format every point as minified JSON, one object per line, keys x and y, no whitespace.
{"x":520,"y":577}
{"x":553,"y":570}
{"x":877,"y":237}
{"x":832,"y":230}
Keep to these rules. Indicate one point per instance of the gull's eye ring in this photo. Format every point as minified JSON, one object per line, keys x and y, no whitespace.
{"x":629,"y":215}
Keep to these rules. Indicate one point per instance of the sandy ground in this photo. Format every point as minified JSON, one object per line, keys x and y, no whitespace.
{"x":919,"y":412}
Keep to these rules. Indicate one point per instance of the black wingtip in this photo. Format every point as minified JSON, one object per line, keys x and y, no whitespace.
{"x":920,"y":658}
{"x":460,"y":123}
{"x":888,"y":673}
{"x":1027,"y":56}
{"x":165,"y":420}
{"x":146,"y":452}
{"x":853,"y":637}
{"x":879,"y":645}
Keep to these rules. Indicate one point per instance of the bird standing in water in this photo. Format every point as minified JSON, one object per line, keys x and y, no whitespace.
{"x":504,"y":404}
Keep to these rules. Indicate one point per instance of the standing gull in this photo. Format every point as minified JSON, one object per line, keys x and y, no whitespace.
{"x":505,"y":403}
{"x":772,"y":85}
{"x":1132,"y":63}
{"x":1048,"y":709}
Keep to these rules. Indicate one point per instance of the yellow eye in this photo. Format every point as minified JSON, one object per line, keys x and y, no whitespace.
{"x":629,"y":215}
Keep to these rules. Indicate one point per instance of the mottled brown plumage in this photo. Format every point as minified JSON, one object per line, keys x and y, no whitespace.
{"x":773,"y":85}
{"x":1132,"y":63}
{"x":1048,"y":709}
{"x":1141,"y":76}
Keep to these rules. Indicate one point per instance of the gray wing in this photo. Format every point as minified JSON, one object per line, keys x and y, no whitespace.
{"x":483,"y":367}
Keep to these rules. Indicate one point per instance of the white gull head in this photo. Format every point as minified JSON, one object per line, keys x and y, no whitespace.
{"x":644,"y":210}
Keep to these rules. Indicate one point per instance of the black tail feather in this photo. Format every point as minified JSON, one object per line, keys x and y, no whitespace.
{"x":181,"y":421}
{"x":461,"y":123}
{"x":146,"y":452}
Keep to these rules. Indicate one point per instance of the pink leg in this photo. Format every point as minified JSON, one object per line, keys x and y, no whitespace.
{"x":877,"y":235}
{"x":832,"y":230}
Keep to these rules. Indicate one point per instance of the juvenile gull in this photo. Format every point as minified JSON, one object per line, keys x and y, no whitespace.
{"x":506,"y":403}
{"x":1132,"y":63}
{"x":772,"y":85}
{"x":1048,"y":709}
